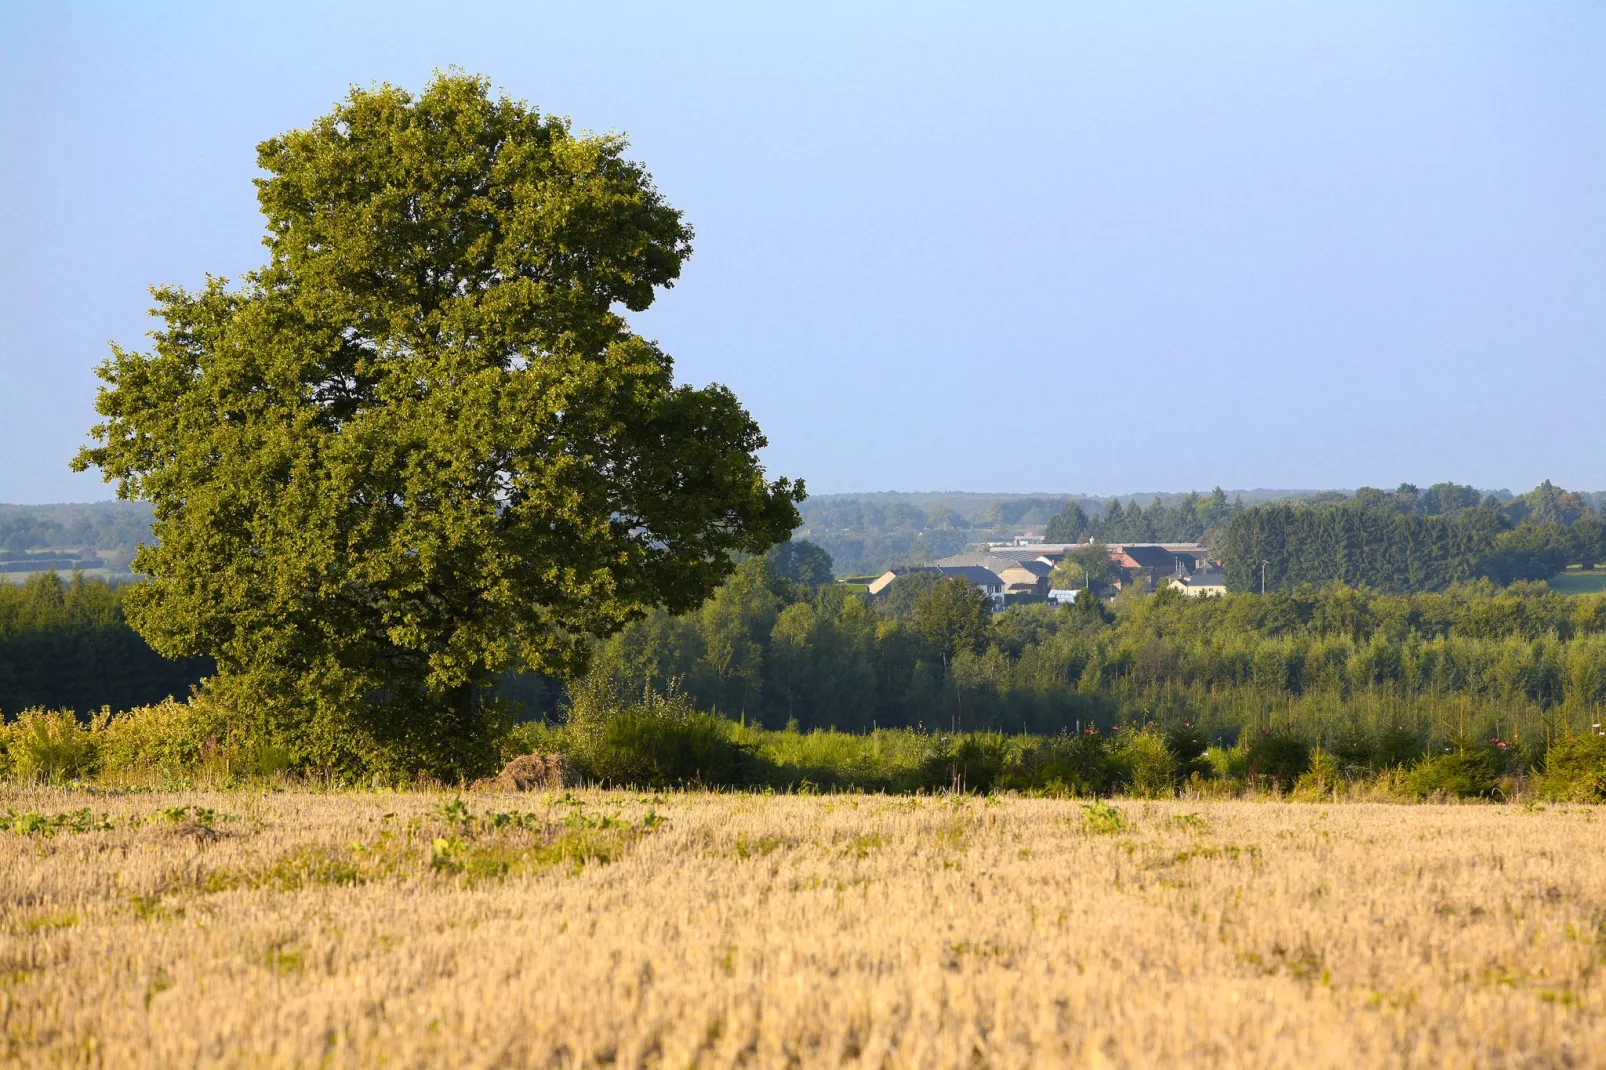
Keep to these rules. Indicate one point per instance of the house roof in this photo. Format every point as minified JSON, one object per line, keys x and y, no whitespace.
{"x":1149,"y":555}
{"x":1207,"y":577}
{"x":1019,"y":553}
{"x":972,"y":574}
{"x":981,"y":577}
{"x":998,"y":562}
{"x":885,"y":580}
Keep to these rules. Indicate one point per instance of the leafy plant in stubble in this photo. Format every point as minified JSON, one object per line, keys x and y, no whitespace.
{"x":1103,"y":818}
{"x":420,"y":446}
{"x":495,"y":846}
{"x":33,"y":823}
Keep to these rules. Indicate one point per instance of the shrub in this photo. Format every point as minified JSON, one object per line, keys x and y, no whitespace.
{"x":176,"y":740}
{"x":1227,"y":763}
{"x":51,"y":745}
{"x":887,"y":759}
{"x":1575,"y":770}
{"x":1460,"y":774}
{"x":1396,"y":745}
{"x":973,"y":763}
{"x":1187,"y":745}
{"x":1322,"y":779}
{"x":1066,"y":765}
{"x":1145,"y":765}
{"x":1280,"y":755}
{"x":659,"y":741}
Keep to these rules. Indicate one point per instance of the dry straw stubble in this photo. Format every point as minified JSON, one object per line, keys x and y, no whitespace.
{"x":592,"y":928}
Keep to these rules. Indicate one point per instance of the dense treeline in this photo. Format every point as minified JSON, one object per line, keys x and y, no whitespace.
{"x":773,"y":652}
{"x":66,"y":645}
{"x":1412,"y":542}
{"x":95,"y":525}
{"x":1193,"y":517}
{"x":1374,"y":679}
{"x":1186,"y":521}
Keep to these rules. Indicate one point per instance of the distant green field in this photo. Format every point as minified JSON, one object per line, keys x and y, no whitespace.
{"x":1572,"y":582}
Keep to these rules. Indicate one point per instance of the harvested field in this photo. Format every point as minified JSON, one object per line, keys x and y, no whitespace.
{"x":604,"y":928}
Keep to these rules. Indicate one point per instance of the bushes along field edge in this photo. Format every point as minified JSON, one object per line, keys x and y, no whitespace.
{"x":660,"y":740}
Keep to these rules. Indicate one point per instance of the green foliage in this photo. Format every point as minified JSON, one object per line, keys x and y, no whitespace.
{"x":953,"y":617}
{"x":1322,"y":779}
{"x":50,"y":745}
{"x":1068,"y":525}
{"x":44,"y":826}
{"x":869,"y":533}
{"x":1391,"y":666}
{"x":900,"y":598}
{"x":1187,"y":744}
{"x":1411,"y":540}
{"x":1279,"y":755}
{"x":66,"y":645}
{"x":1147,"y":768}
{"x":1575,"y":769}
{"x":1088,"y":611}
{"x":1085,"y":565}
{"x":163,"y":743}
{"x":185,"y":740}
{"x":421,"y":446}
{"x":1103,"y":819}
{"x":1078,"y":765}
{"x":800,"y":561}
{"x":1458,"y":774}
{"x":879,"y":760}
{"x":662,"y":741}
{"x":969,"y":763}
{"x":115,"y":526}
{"x":1349,"y":544}
{"x":659,"y":741}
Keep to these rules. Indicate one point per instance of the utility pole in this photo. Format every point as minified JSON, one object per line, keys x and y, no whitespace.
{"x":1263,"y":565}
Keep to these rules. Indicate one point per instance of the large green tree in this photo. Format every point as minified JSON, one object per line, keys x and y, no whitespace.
{"x":421,"y":445}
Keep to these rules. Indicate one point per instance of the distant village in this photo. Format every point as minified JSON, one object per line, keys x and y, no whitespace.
{"x":1023,"y":570}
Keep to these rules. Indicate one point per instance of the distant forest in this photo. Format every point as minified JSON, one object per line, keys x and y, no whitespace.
{"x":868,"y":533}
{"x":68,"y":645}
{"x":1411,"y":540}
{"x":1349,"y":578}
{"x":89,"y":536}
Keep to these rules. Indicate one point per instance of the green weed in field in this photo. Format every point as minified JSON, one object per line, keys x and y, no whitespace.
{"x":1103,"y":818}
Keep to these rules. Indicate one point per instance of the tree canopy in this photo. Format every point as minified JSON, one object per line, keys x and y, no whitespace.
{"x":421,"y":445}
{"x":1411,"y":540}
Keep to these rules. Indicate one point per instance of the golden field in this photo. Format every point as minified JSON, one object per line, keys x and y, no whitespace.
{"x":616,"y":929}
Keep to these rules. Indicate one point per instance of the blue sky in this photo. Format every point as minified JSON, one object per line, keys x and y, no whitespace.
{"x":1061,"y":247}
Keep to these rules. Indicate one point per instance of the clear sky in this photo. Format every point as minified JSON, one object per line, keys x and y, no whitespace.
{"x":1060,"y":247}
